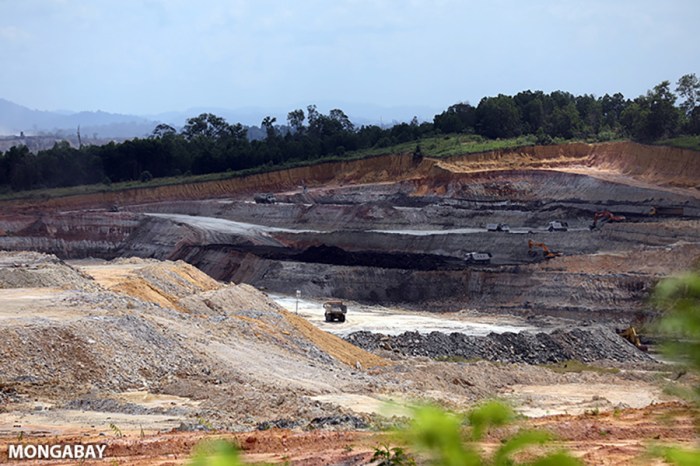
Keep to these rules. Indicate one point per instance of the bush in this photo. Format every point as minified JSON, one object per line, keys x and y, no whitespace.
{"x":679,"y":297}
{"x":543,"y":139}
{"x":145,"y":176}
{"x":438,"y":433}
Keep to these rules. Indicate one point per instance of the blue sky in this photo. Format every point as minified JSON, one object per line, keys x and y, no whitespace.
{"x":152,"y":56}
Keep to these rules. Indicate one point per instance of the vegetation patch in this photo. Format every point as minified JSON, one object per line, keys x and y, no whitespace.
{"x":209,"y":145}
{"x":684,"y":142}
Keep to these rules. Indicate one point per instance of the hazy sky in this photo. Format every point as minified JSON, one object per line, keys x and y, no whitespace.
{"x":150,"y":56}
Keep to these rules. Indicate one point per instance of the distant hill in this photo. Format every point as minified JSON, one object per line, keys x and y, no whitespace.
{"x":16,"y":119}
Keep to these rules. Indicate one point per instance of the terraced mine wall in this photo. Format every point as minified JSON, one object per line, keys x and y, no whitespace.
{"x":379,"y":229}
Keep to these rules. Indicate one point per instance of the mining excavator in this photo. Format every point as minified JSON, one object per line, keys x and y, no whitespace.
{"x":605,"y":216}
{"x":630,"y":334}
{"x":546,"y":252}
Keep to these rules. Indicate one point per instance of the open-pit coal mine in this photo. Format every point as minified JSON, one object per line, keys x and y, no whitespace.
{"x":393,"y":230}
{"x":177,"y":309}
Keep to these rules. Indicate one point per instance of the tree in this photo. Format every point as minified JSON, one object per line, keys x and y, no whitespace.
{"x":689,"y":90}
{"x":313,"y":116}
{"x":457,"y":118}
{"x":634,"y":119}
{"x":295,"y":119}
{"x":531,"y":106}
{"x":267,"y":125}
{"x":339,"y":116}
{"x":612,"y":108}
{"x":688,"y":87}
{"x":565,"y":122}
{"x":591,"y":112}
{"x":163,"y":130}
{"x":663,"y":119}
{"x":206,"y":125}
{"x":498,"y":117}
{"x":21,"y":172}
{"x":652,"y":116}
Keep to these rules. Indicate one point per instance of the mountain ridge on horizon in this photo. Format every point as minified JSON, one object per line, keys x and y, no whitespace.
{"x":16,"y":119}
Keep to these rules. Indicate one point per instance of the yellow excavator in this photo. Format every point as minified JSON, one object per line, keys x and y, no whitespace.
{"x":546,"y":252}
{"x":630,"y":334}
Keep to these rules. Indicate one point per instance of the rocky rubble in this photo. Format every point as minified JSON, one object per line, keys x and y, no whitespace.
{"x":587,"y":344}
{"x":35,"y":270}
{"x":340,"y":422}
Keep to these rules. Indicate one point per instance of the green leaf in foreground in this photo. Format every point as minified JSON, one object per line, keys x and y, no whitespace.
{"x":215,"y":453}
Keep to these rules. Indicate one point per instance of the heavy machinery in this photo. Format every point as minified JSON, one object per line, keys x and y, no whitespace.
{"x":264,"y":198}
{"x":630,"y":334}
{"x":605,"y":216}
{"x":558,"y":226}
{"x":666,"y":211}
{"x":335,"y":310}
{"x":498,"y":227}
{"x":546,"y":252}
{"x":477,"y":258}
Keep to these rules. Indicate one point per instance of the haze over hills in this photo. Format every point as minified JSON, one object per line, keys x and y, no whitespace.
{"x":16,"y":119}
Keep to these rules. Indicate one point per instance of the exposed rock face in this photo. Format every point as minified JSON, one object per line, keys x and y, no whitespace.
{"x":388,"y":230}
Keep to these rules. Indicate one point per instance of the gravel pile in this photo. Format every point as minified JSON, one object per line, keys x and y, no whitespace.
{"x":35,"y":270}
{"x":108,"y":405}
{"x":343,"y":421}
{"x":103,"y":352}
{"x":595,"y":343}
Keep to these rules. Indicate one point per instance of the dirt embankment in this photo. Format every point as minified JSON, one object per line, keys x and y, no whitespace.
{"x":73,"y":335}
{"x":656,"y":164}
{"x":663,"y":165}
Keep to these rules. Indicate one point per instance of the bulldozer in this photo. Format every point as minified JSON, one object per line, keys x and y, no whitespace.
{"x":335,"y":310}
{"x":546,"y":252}
{"x":605,"y":216}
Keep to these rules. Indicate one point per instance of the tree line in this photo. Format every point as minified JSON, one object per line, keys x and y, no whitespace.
{"x":209,"y":144}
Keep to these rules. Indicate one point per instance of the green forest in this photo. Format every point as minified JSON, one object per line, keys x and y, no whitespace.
{"x":209,"y":144}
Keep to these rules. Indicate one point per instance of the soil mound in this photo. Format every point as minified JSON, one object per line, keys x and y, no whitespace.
{"x":164,"y":327}
{"x":35,"y":270}
{"x":165,"y":283}
{"x":95,"y":352}
{"x":180,"y":286}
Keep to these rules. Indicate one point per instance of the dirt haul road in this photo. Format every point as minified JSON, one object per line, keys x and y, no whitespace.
{"x":393,"y":321}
